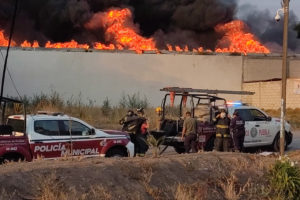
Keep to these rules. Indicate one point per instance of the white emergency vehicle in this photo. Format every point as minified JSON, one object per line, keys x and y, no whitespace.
{"x":261,"y":129}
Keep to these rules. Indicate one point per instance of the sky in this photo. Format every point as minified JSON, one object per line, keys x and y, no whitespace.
{"x":273,"y":5}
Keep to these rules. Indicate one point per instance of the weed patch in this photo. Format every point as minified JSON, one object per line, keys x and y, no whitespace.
{"x":284,"y":179}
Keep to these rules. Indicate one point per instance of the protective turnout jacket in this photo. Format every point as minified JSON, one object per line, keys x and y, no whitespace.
{"x":222,"y":125}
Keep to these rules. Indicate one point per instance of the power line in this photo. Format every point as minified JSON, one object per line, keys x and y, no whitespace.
{"x":12,"y":80}
{"x":8,"y":47}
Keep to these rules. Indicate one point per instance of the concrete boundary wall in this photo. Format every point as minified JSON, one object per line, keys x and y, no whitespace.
{"x":258,"y":68}
{"x":100,"y":74}
{"x":268,"y":94}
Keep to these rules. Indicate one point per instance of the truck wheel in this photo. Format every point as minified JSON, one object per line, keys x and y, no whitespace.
{"x":179,"y":150}
{"x":12,"y":157}
{"x":116,"y":152}
{"x":276,"y":143}
{"x":209,"y":146}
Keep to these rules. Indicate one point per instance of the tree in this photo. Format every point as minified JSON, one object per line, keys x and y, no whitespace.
{"x":106,"y":107}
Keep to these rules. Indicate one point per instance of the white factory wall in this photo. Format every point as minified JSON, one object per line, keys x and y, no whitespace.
{"x":100,"y":74}
{"x":97,"y":75}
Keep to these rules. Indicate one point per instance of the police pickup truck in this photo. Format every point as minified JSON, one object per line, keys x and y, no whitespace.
{"x":261,"y":129}
{"x":57,"y":135}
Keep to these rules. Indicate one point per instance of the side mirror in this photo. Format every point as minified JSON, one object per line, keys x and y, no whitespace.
{"x":92,"y":132}
{"x":269,"y":118}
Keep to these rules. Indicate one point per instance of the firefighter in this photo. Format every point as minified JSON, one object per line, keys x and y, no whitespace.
{"x":222,"y":141}
{"x":237,"y":127}
{"x":189,"y":133}
{"x":141,"y":135}
{"x":129,"y":124}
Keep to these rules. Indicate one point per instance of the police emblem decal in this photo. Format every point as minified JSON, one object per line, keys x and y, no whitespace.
{"x":253,"y":132}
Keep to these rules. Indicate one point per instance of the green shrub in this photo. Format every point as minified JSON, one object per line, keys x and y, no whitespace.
{"x":284,"y":179}
{"x":155,"y":144}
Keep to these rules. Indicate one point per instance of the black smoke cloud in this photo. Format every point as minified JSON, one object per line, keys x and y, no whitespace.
{"x":168,"y":21}
{"x":270,"y":32}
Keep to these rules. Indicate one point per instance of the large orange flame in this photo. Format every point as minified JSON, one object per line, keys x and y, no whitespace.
{"x":27,"y":44}
{"x":119,"y":27}
{"x":236,"y":39}
{"x":123,"y":34}
{"x":4,"y":41}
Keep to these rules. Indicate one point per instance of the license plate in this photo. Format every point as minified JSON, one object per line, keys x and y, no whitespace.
{"x":202,"y":138}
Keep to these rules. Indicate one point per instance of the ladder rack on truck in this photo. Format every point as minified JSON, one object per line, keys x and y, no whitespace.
{"x":204,"y":91}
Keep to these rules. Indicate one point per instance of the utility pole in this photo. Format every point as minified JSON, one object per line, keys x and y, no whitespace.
{"x":284,"y":74}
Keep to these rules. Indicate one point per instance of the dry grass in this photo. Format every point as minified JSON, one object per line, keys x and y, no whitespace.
{"x":52,"y":187}
{"x":103,"y":116}
{"x":7,"y":196}
{"x":194,"y":191}
{"x":232,"y":189}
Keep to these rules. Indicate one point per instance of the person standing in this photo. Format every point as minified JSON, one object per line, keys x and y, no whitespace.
{"x":189,"y":133}
{"x":237,"y":127}
{"x":141,"y":136}
{"x":222,"y":141}
{"x":130,"y":125}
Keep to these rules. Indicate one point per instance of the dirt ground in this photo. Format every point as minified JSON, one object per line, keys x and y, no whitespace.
{"x":207,"y":175}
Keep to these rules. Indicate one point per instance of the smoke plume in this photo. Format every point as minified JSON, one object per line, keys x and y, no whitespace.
{"x":270,"y":32}
{"x":175,"y":22}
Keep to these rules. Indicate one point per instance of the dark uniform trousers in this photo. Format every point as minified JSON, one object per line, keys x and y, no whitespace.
{"x":190,"y":142}
{"x":238,"y":140}
{"x":222,"y":144}
{"x":237,"y":127}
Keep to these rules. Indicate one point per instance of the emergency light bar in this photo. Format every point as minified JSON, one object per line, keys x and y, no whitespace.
{"x":235,"y":103}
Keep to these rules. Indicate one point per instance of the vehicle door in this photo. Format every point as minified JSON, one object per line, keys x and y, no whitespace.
{"x":257,"y":127}
{"x":83,"y":139}
{"x":47,"y":141}
{"x":263,"y":125}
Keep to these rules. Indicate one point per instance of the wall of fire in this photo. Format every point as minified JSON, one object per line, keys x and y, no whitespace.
{"x":96,"y":75}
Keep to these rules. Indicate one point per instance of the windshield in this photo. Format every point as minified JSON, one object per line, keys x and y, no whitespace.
{"x":16,"y":124}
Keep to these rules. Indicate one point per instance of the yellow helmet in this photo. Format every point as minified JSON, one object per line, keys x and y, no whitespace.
{"x":158,"y":109}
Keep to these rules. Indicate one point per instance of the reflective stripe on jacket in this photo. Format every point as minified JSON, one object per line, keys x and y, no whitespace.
{"x":222,"y":126}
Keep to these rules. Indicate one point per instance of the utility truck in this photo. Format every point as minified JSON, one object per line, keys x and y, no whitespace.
{"x":204,"y":105}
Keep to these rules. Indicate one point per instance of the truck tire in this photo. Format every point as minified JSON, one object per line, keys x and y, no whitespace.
{"x":116,"y":152}
{"x":179,"y":149}
{"x":12,"y":157}
{"x":276,"y":143}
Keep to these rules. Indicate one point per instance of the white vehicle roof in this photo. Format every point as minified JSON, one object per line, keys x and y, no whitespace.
{"x":47,"y":117}
{"x":231,"y":109}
